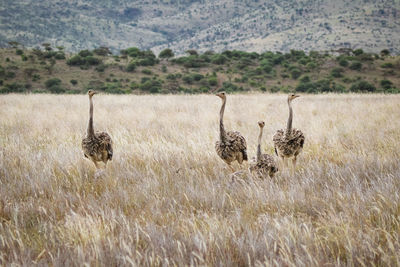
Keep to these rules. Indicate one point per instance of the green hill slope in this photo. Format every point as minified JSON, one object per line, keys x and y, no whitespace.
{"x":139,"y":71}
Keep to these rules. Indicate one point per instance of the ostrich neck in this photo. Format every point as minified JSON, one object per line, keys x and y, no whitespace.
{"x":289,"y":123}
{"x":222,"y":133}
{"x":259,"y":145}
{"x":90,"y":131}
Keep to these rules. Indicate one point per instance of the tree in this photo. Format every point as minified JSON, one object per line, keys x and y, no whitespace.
{"x":102,"y":51}
{"x":47,"y":46}
{"x":166,"y":53}
{"x":192,"y":52}
{"x":385,"y":52}
{"x":356,"y":65}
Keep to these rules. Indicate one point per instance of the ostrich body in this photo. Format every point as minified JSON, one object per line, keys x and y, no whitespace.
{"x":265,"y":165}
{"x":96,"y":146}
{"x":231,"y":145}
{"x":289,"y":143}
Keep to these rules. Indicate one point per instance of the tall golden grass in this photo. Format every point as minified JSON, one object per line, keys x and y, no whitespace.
{"x":167,"y":199}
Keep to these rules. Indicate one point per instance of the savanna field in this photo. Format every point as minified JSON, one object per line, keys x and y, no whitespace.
{"x":166,"y":198}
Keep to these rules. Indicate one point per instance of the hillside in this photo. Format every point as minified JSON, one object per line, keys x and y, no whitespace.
{"x":249,"y":25}
{"x":138,"y":71}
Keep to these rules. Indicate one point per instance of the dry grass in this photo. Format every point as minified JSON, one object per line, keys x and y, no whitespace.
{"x":167,"y":198}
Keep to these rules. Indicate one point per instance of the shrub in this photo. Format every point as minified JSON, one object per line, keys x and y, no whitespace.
{"x":197,"y":76}
{"x":56,"y":89}
{"x":386,"y":84}
{"x":147,"y":71}
{"x":212,"y":81}
{"x":385,"y":52}
{"x":102,"y":51}
{"x":356,"y":65}
{"x":148,"y":61}
{"x":192,"y":52}
{"x":188,"y":79}
{"x":362,"y":86}
{"x":295,"y":73}
{"x":152,"y":86}
{"x":52,"y":82}
{"x":12,"y":88}
{"x":337,"y":72}
{"x":358,"y":52}
{"x":305,"y":79}
{"x":36,"y":77}
{"x":311,"y":65}
{"x":166,"y":53}
{"x":91,"y":60}
{"x":164,"y":68}
{"x":59,"y":55}
{"x":9,"y":75}
{"x":73,"y":82}
{"x":131,"y":66}
{"x":387,"y":65}
{"x":19,"y":52}
{"x":76,"y":60}
{"x":101,"y":68}
{"x":85,"y":53}
{"x":343,"y":62}
{"x":218,"y":59}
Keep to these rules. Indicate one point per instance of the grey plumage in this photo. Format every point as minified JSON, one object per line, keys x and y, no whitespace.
{"x":289,"y":142}
{"x":265,"y":164}
{"x":231,"y":145}
{"x":96,"y":146}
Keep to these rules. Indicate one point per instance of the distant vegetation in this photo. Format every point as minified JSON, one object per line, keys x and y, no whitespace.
{"x":138,"y":71}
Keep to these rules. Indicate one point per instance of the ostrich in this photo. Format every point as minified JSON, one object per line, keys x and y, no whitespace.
{"x":96,"y":146}
{"x":231,"y":145}
{"x":289,"y":143}
{"x":265,"y":164}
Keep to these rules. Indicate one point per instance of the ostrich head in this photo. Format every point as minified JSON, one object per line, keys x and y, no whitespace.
{"x":292,"y":96}
{"x":261,"y":124}
{"x":91,"y":93}
{"x":222,"y":95}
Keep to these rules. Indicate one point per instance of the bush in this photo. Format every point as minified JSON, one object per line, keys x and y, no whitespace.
{"x":218,"y":59}
{"x":56,"y":89}
{"x":152,"y":86}
{"x":19,"y":52}
{"x":91,"y":60}
{"x":362,"y":86}
{"x":212,"y":81}
{"x":295,"y":73}
{"x":102,"y":51}
{"x":337,"y":72}
{"x":387,"y":65}
{"x":386,"y":84}
{"x":188,"y":79}
{"x":73,"y":82}
{"x":385,"y":52}
{"x":131,"y":66}
{"x":147,"y":71}
{"x":36,"y":77}
{"x":311,"y":65}
{"x":75,"y":60}
{"x":166,"y":53}
{"x":356,"y":65}
{"x":85,"y":53}
{"x":358,"y":52}
{"x":52,"y":82}
{"x":59,"y":55}
{"x":13,"y":88}
{"x":343,"y":62}
{"x":101,"y":68}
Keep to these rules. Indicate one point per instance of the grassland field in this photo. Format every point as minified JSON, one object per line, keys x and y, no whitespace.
{"x":166,"y":198}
